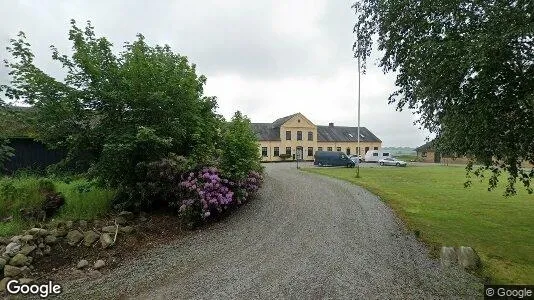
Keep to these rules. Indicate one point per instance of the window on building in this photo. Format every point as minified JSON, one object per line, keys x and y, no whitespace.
{"x":375,"y":148}
{"x":423,"y":154}
{"x":288,"y":150}
{"x":288,"y":135}
{"x":320,"y":149}
{"x":329,"y":149}
{"x":299,"y":135}
{"x":310,"y":136}
{"x":310,"y":151}
{"x":348,"y":151}
{"x":264,"y":151}
{"x":338,"y":149}
{"x":276,"y":151}
{"x":375,"y":154}
{"x":366,"y":149}
{"x":385,"y":154}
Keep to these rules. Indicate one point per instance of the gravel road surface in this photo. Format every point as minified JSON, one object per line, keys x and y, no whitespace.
{"x":305,"y":237}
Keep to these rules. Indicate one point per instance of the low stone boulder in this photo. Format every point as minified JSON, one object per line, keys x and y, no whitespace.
{"x":3,"y":283}
{"x":90,"y":237}
{"x":82,"y":264}
{"x":16,"y":238}
{"x":3,"y":262}
{"x":99,"y":264}
{"x":109,"y":229}
{"x":12,"y":248}
{"x":18,"y":260}
{"x":58,"y":232}
{"x":82,"y":224}
{"x":12,"y":271}
{"x":38,"y":232}
{"x":74,"y":237}
{"x":50,"y":239}
{"x":448,"y":257}
{"x":27,"y":249}
{"x":106,"y":240}
{"x":27,"y":238}
{"x":467,"y":258}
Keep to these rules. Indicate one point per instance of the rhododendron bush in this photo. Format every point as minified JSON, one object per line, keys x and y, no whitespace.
{"x":207,"y":194}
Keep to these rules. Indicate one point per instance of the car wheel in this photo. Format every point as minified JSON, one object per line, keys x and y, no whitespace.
{"x":381,"y":163}
{"x":398,"y":165}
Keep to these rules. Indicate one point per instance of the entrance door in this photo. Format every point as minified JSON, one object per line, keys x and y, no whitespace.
{"x":300,"y":152}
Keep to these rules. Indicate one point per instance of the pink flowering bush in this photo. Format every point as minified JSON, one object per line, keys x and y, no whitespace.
{"x":248,"y":188}
{"x":207,"y":194}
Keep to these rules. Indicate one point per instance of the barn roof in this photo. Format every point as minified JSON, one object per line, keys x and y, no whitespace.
{"x":426,"y":147}
{"x":344,"y":134}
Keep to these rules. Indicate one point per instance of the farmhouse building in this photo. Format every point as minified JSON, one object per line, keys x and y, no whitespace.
{"x":428,"y":153}
{"x":286,"y":136}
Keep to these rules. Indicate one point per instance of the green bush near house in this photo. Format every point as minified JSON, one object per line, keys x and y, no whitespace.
{"x":434,"y":202}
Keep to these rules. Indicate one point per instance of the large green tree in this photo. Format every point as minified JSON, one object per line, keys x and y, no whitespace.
{"x":131,"y":106}
{"x":467,"y":68}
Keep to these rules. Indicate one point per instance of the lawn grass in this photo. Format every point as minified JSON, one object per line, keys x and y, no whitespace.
{"x":83,"y":200}
{"x":433,"y":202}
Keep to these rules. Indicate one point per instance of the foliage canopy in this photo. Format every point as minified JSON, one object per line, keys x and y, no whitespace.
{"x":112,"y":107}
{"x":467,"y":68}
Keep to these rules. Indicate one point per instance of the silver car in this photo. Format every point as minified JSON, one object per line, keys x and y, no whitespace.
{"x":391,"y":161}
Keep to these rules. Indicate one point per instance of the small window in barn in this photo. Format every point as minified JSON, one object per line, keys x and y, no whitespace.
{"x":276,"y":151}
{"x":288,"y":135}
{"x":310,"y":151}
{"x":348,"y":151}
{"x":310,"y":136}
{"x":338,"y":149}
{"x":375,"y":148}
{"x":423,"y":154}
{"x":299,"y":135}
{"x":298,"y":121}
{"x":320,"y":149}
{"x":264,"y":151}
{"x":288,"y":150}
{"x":329,"y":149}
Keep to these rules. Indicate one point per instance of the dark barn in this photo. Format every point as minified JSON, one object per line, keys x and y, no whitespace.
{"x":31,"y":154}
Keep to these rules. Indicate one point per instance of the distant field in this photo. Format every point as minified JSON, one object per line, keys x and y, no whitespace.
{"x":433,"y":202}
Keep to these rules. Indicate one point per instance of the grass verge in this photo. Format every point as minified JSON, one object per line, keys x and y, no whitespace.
{"x":83,"y":200}
{"x":433,"y":202}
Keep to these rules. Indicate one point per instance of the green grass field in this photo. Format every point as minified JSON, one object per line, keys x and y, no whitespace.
{"x":433,"y":202}
{"x":83,"y":200}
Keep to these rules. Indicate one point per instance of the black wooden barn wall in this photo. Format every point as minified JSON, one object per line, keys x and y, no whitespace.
{"x":31,"y":154}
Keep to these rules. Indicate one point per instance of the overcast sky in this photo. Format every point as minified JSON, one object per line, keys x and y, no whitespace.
{"x":266,"y":58}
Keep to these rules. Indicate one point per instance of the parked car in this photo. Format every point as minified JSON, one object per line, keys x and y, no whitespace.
{"x":356,"y":158}
{"x":332,"y":158}
{"x":376,"y":155}
{"x":391,"y":161}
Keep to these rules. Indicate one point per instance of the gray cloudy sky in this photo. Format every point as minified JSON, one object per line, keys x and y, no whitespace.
{"x":267,"y":58}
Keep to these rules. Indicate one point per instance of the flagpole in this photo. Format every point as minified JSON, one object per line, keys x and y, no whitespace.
{"x":359,"y":149}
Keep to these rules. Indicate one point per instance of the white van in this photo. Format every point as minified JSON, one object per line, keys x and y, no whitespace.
{"x":375,"y":155}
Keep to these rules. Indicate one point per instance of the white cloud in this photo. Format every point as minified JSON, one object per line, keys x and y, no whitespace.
{"x":265,"y":58}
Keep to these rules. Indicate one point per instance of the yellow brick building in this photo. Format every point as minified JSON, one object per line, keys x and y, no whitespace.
{"x":296,"y":132}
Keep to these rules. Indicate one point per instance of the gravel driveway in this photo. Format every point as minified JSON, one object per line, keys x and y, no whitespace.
{"x":306,"y":236}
